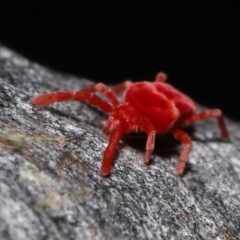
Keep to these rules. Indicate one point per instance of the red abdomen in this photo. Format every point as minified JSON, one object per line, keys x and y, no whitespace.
{"x":161,"y":103}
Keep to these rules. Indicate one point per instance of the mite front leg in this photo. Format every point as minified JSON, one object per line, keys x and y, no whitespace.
{"x":102,"y":88}
{"x":214,"y":113}
{"x":122,"y":87}
{"x":110,"y":151}
{"x":187,"y":145}
{"x":49,"y":98}
{"x":46,"y":99}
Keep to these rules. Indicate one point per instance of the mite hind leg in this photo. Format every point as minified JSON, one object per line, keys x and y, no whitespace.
{"x":187,"y":146}
{"x":161,"y":77}
{"x":213,"y":113}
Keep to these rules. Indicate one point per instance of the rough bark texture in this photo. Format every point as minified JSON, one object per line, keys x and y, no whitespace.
{"x":50,"y":186}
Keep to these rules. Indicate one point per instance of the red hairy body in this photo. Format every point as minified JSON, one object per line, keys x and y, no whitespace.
{"x":162,"y":104}
{"x":152,"y":107}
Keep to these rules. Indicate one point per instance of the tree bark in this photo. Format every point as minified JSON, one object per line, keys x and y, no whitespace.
{"x":51,"y":188}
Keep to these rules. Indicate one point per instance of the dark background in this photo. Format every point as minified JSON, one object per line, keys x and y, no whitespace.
{"x":196,"y":44}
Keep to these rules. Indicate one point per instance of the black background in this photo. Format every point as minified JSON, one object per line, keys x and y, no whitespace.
{"x":195,"y":43}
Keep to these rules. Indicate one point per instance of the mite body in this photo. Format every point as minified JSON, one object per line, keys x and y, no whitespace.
{"x":151,"y":107}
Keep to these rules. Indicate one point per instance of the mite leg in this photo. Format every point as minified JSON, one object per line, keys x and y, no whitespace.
{"x":46,"y":99}
{"x":110,"y":152}
{"x":214,"y":113}
{"x":121,"y":87}
{"x":149,"y":146}
{"x":161,"y":77}
{"x":187,"y":145}
{"x":107,"y":92}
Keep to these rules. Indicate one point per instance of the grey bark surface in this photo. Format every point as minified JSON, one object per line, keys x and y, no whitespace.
{"x":50,"y":186}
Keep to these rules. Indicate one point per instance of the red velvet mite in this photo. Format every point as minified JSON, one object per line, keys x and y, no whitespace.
{"x":152,"y":107}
